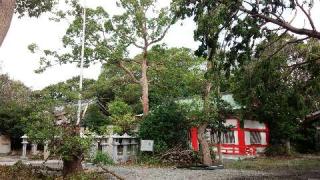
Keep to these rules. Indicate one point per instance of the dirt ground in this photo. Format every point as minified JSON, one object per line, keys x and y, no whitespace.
{"x":306,"y":167}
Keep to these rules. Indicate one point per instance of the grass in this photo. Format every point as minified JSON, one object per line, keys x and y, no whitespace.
{"x":20,"y":171}
{"x":276,"y":164}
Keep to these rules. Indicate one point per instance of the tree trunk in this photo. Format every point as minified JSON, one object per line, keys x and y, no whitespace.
{"x":6,"y":13}
{"x":145,"y":85}
{"x":219,"y":147}
{"x":206,"y":155}
{"x":207,"y":160}
{"x":72,"y":166}
{"x":288,"y":147}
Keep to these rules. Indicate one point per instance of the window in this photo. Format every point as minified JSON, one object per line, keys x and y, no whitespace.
{"x":228,"y":137}
{"x":255,"y":137}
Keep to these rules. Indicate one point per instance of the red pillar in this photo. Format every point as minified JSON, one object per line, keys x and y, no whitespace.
{"x":194,"y":138}
{"x":241,"y":139}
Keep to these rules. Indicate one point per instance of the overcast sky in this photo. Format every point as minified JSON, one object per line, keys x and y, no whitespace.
{"x":19,"y":63}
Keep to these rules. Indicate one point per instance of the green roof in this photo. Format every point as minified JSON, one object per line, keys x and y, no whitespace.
{"x":198,"y":102}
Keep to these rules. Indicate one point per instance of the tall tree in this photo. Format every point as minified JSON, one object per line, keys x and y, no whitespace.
{"x":208,"y":18}
{"x":246,"y":22}
{"x":108,"y":40}
{"x":6,"y":13}
{"x":280,"y":90}
{"x":174,"y":73}
{"x":14,"y":106}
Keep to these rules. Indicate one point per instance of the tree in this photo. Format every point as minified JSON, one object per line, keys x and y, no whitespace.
{"x":6,"y":13}
{"x":22,"y":7}
{"x":121,"y":116}
{"x":108,"y":39}
{"x":167,"y":125}
{"x":208,"y":18}
{"x":244,"y":23}
{"x":280,"y":90}
{"x":14,"y":106}
{"x":67,"y":92}
{"x":64,"y":139}
{"x":174,"y":73}
{"x":96,"y":120}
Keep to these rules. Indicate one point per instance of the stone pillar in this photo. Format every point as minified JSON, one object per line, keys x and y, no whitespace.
{"x":125,"y":143}
{"x":24,"y":146}
{"x":110,"y":146}
{"x":115,"y":145}
{"x":46,"y":151}
{"x":94,"y":146}
{"x":104,"y":146}
{"x":34,"y":149}
{"x":134,"y":145}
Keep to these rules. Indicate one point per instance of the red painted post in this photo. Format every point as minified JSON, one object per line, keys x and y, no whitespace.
{"x":241,"y":139}
{"x":194,"y":139}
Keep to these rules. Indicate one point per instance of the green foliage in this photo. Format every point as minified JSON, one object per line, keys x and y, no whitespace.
{"x":70,"y":144}
{"x":276,"y":150}
{"x":39,"y":126}
{"x":274,"y":91}
{"x":102,"y":158}
{"x":68,"y":91}
{"x":121,"y":116}
{"x":108,"y":38}
{"x":14,"y":107}
{"x":167,"y":125}
{"x":34,"y":8}
{"x":95,"y":120}
{"x":174,"y":70}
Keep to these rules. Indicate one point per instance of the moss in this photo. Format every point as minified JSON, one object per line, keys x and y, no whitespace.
{"x":275,"y":164}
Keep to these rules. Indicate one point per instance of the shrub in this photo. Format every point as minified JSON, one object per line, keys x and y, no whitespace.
{"x":277,"y":150}
{"x":102,"y":158}
{"x":167,"y":126}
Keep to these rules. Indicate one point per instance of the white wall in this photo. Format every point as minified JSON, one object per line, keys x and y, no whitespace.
{"x":254,"y":124}
{"x":232,"y":122}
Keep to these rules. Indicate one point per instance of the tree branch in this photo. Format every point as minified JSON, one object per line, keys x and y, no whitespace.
{"x":283,"y":24}
{"x":307,"y":14}
{"x":162,"y":36}
{"x":137,"y":45}
{"x":287,"y":43}
{"x":134,"y":79}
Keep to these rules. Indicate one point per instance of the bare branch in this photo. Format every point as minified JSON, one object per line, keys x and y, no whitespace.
{"x":307,"y":14}
{"x":283,"y":24}
{"x":134,"y":79}
{"x":137,"y":45}
{"x":162,"y":36}
{"x":287,"y":43}
{"x":303,"y":63}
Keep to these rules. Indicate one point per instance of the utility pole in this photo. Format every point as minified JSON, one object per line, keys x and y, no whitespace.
{"x":81,"y":64}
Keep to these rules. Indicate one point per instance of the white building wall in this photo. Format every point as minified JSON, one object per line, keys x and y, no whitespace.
{"x":236,"y":137}
{"x":254,"y":124}
{"x":263,"y":138}
{"x":247,"y":138}
{"x":231,"y":122}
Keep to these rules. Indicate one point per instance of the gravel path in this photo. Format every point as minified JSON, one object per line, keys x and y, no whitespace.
{"x":143,"y":173}
{"x":138,"y":173}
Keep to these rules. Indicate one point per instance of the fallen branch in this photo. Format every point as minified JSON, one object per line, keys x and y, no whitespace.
{"x":110,"y":172}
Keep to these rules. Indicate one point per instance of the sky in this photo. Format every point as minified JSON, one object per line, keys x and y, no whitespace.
{"x":19,"y":63}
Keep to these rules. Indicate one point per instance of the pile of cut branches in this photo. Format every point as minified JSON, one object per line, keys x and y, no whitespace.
{"x":179,"y":156}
